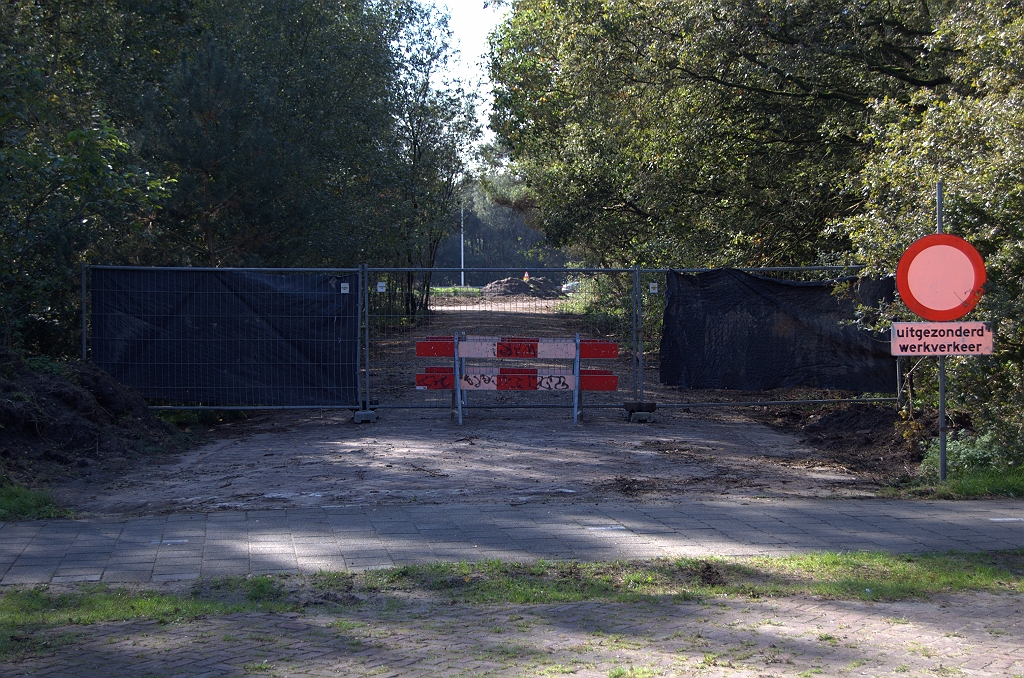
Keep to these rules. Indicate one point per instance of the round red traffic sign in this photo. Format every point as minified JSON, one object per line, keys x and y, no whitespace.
{"x":940,"y":277}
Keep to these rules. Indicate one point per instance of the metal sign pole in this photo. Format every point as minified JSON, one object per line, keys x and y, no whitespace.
{"x":899,"y":384}
{"x":942,"y":417}
{"x":942,"y":359}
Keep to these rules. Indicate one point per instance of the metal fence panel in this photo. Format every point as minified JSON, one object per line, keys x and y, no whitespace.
{"x":321,"y":338}
{"x":594,"y":303}
{"x":229,"y":337}
{"x":652,"y":314}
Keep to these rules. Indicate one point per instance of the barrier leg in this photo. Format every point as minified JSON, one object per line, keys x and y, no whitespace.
{"x":576,"y":377}
{"x":458,"y":380}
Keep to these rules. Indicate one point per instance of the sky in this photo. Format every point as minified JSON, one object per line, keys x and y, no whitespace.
{"x":470,"y":24}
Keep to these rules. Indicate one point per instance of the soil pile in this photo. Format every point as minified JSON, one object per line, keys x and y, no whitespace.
{"x":65,"y":419}
{"x":864,"y":437}
{"x":541,"y":287}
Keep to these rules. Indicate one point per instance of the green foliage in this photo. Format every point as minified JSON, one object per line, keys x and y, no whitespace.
{"x":225,"y":203}
{"x":984,"y":482}
{"x":699,"y":133}
{"x":966,"y":454}
{"x":20,"y":503}
{"x":281,"y":133}
{"x":605,"y":300}
{"x":47,"y":365}
{"x":67,"y":180}
{"x":967,"y":135}
{"x":496,"y":236}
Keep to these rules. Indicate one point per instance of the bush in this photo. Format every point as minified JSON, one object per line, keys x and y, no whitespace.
{"x":968,"y":454}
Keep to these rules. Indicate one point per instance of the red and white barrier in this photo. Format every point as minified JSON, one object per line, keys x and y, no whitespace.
{"x":516,"y":379}
{"x":516,"y":347}
{"x":462,"y":377}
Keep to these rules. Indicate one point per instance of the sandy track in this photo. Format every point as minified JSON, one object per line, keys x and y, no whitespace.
{"x":290,"y":460}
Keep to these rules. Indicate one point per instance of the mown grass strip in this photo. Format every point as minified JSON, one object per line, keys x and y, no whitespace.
{"x":963,"y":485}
{"x":28,"y":616}
{"x":25,"y":612}
{"x":865,"y":576}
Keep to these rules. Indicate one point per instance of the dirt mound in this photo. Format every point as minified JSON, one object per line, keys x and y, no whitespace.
{"x":61,"y":419}
{"x":863,"y":437}
{"x":541,"y":287}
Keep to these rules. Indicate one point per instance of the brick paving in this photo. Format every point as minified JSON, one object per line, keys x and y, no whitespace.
{"x":186,"y":546}
{"x":412,"y":636}
{"x":512,"y":508}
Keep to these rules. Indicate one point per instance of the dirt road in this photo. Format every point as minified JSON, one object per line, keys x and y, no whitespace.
{"x":292,"y":460}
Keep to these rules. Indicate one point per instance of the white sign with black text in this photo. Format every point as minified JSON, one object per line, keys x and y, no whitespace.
{"x":952,"y":338}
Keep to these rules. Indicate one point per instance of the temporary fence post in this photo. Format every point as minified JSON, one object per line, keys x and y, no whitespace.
{"x":361,"y":351}
{"x":638,"y":336}
{"x":458,"y":378}
{"x":85,"y":322}
{"x":636,"y":384}
{"x":366,"y":333}
{"x":576,"y":376}
{"x":365,"y":414}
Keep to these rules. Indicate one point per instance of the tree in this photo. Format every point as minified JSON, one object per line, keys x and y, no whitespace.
{"x":226,"y":205}
{"x":68,"y":185}
{"x":969,"y":136}
{"x":268,"y":133}
{"x":435,"y":125}
{"x":496,"y":236}
{"x":697,"y":133}
{"x":330,"y":72}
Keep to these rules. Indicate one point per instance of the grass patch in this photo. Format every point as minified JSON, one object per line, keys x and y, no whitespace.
{"x":258,"y":667}
{"x":963,"y":485}
{"x":455,"y":291}
{"x":30,"y":616}
{"x":864,"y":576}
{"x":883,"y":576}
{"x":633,"y":672}
{"x":985,"y":484}
{"x":27,"y":614}
{"x":19,"y":503}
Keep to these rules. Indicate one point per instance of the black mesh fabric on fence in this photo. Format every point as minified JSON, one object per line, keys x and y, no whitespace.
{"x":726,"y":329}
{"x":229,"y":337}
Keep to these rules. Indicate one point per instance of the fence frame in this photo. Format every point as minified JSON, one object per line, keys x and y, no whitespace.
{"x":364,"y":363}
{"x":224,"y":408}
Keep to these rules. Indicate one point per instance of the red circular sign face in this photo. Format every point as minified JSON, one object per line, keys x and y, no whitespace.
{"x":940,"y":277}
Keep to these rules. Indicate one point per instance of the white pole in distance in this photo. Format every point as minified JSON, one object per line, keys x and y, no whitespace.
{"x":462,"y":248}
{"x":942,"y":358}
